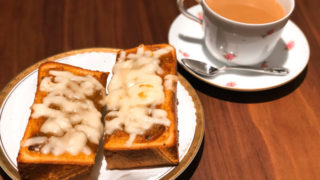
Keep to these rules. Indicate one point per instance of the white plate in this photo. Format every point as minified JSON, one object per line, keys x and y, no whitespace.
{"x":18,"y":96}
{"x":292,"y":52}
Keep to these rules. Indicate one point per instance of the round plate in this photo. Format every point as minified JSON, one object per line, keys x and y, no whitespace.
{"x":17,"y":97}
{"x":292,"y":51}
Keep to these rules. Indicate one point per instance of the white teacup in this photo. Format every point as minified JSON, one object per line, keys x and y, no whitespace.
{"x":239,"y":43}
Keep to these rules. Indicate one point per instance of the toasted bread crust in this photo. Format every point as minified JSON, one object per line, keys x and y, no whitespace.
{"x":51,"y":171}
{"x":35,"y":165}
{"x":161,"y":150}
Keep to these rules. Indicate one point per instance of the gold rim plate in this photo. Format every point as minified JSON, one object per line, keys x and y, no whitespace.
{"x":11,"y":170}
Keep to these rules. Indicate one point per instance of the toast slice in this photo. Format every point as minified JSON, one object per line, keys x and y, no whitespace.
{"x":141,"y":120}
{"x":63,"y":132}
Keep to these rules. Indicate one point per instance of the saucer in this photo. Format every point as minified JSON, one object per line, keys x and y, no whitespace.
{"x":292,"y":51}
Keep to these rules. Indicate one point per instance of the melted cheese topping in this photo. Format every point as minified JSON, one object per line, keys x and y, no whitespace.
{"x":169,"y":81}
{"x":72,"y":118}
{"x":135,"y":91}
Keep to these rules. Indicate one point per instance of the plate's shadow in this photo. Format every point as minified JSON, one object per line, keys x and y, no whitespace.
{"x":188,"y":172}
{"x":243,"y":96}
{"x":4,"y":175}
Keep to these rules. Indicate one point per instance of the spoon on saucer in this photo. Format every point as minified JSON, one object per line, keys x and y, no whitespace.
{"x":206,"y":70}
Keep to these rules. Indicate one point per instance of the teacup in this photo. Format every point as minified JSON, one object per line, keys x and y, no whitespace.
{"x":239,"y":43}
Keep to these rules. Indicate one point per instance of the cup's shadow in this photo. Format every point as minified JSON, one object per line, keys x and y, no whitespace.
{"x":191,"y":39}
{"x":278,"y":58}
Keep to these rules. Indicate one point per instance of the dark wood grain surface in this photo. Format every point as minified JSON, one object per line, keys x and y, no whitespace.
{"x":273,"y":134}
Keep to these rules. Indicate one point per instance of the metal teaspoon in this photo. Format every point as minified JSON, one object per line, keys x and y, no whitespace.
{"x":206,"y":70}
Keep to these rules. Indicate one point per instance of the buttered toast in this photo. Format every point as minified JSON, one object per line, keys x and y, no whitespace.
{"x":141,"y":120}
{"x":63,"y":132}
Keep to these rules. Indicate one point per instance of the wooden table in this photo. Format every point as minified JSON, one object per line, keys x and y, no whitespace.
{"x":272,"y":134}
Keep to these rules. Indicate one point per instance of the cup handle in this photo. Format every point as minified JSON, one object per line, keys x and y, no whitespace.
{"x":186,"y":13}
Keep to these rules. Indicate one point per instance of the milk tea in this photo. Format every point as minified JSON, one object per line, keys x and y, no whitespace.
{"x":248,"y":11}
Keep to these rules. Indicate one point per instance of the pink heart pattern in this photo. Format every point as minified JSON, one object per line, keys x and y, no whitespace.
{"x":229,"y":56}
{"x":231,"y":84}
{"x":290,"y":45}
{"x":184,"y":54}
